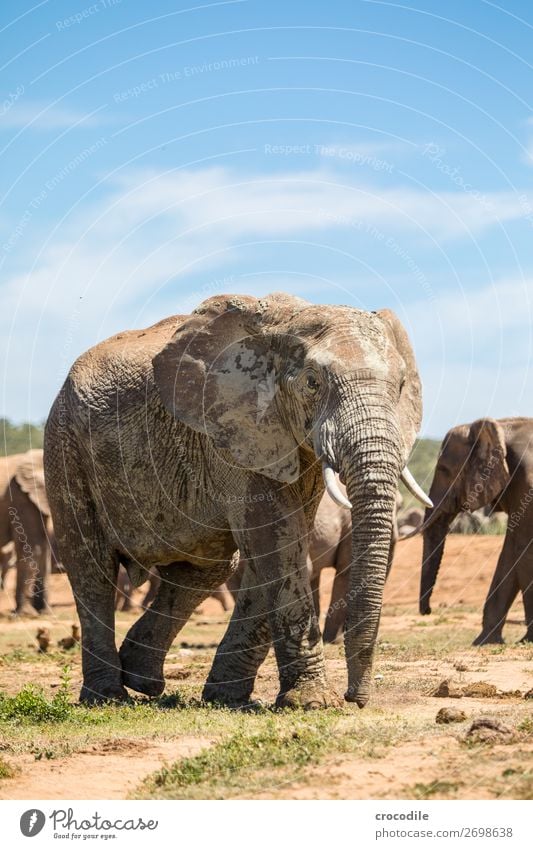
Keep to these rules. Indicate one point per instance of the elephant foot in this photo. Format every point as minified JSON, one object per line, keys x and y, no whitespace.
{"x":97,"y":694}
{"x":141,"y":671}
{"x":485,"y":639}
{"x":308,"y":696}
{"x":236,"y":696}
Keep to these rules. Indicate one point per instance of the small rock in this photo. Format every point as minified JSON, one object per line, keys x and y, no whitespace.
{"x":480,"y":690}
{"x":461,"y":667}
{"x":447,"y":690}
{"x":529,"y":694}
{"x":489,"y":730}
{"x":378,"y":677}
{"x":447,"y":715}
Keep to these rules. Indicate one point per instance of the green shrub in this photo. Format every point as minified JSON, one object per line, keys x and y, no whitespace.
{"x":32,"y":706}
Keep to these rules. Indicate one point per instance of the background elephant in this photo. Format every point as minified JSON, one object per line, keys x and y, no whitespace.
{"x":8,"y":560}
{"x":488,"y":462}
{"x":176,"y":445}
{"x":24,"y":521}
{"x":125,"y":589}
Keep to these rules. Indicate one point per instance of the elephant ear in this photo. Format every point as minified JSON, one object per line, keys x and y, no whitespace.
{"x":488,"y":472}
{"x":30,"y":477}
{"x":410,"y":403}
{"x":219,"y":375}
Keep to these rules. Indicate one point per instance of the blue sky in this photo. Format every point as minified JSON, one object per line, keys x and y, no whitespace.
{"x":367,"y":153}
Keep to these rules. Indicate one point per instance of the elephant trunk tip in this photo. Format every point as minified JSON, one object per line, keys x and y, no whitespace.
{"x":354,"y":697}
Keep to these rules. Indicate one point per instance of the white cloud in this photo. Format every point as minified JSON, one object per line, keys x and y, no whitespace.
{"x":115,"y":264}
{"x":475,"y":353}
{"x":42,"y":116}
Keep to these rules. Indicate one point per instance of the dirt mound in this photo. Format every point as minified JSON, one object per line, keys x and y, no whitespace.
{"x":490,"y":730}
{"x":447,"y":715}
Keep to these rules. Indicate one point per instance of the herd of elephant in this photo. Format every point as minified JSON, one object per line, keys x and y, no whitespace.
{"x":250,"y":444}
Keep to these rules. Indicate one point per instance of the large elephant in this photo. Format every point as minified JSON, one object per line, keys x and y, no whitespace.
{"x":175,"y":445}
{"x":24,"y":521}
{"x":488,"y":462}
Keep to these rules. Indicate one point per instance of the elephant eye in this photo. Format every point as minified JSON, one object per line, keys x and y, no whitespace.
{"x":311,"y":384}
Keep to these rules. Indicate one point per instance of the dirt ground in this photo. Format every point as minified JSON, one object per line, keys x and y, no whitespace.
{"x":392,"y":749}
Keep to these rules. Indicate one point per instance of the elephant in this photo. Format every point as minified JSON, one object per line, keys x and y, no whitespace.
{"x":25,"y":522}
{"x":487,"y":462}
{"x":8,"y":560}
{"x":123,"y":598}
{"x":177,"y":445}
{"x":330,"y":544}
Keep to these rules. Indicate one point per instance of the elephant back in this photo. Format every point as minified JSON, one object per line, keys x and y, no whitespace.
{"x":30,"y":477}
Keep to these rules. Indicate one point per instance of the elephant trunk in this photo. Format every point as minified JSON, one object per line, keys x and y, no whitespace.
{"x":370,"y":461}
{"x":437,"y":526}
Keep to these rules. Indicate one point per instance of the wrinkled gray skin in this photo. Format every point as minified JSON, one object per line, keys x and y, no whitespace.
{"x":487,"y":462}
{"x":24,"y":521}
{"x":175,"y":445}
{"x":330,"y":545}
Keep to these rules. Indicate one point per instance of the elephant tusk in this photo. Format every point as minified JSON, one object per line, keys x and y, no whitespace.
{"x":414,"y":488}
{"x":333,"y":487}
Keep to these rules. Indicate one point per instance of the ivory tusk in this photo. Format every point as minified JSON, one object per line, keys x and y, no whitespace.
{"x":414,"y":488}
{"x":333,"y":488}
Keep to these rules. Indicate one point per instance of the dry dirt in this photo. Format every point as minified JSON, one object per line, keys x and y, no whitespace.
{"x":415,"y":655}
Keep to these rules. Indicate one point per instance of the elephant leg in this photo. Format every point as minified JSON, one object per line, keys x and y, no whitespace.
{"x":93,"y":585}
{"x":244,"y":645}
{"x":275,"y":538}
{"x":5,"y":563}
{"x":26,"y":567}
{"x":182,"y":588}
{"x":124,"y":591}
{"x":155,"y":582}
{"x":336,"y":615}
{"x":28,"y":532}
{"x":314,"y":578}
{"x":92,"y":568}
{"x":503,"y":591}
{"x":42,"y":577}
{"x":525,"y":582}
{"x":223,"y":595}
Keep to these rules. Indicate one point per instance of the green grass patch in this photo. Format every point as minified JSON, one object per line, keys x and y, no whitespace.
{"x":268,"y":749}
{"x":32,"y":706}
{"x":247,"y":759}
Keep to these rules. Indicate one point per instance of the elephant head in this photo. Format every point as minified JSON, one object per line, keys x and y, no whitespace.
{"x":471,"y":472}
{"x":280,"y":384}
